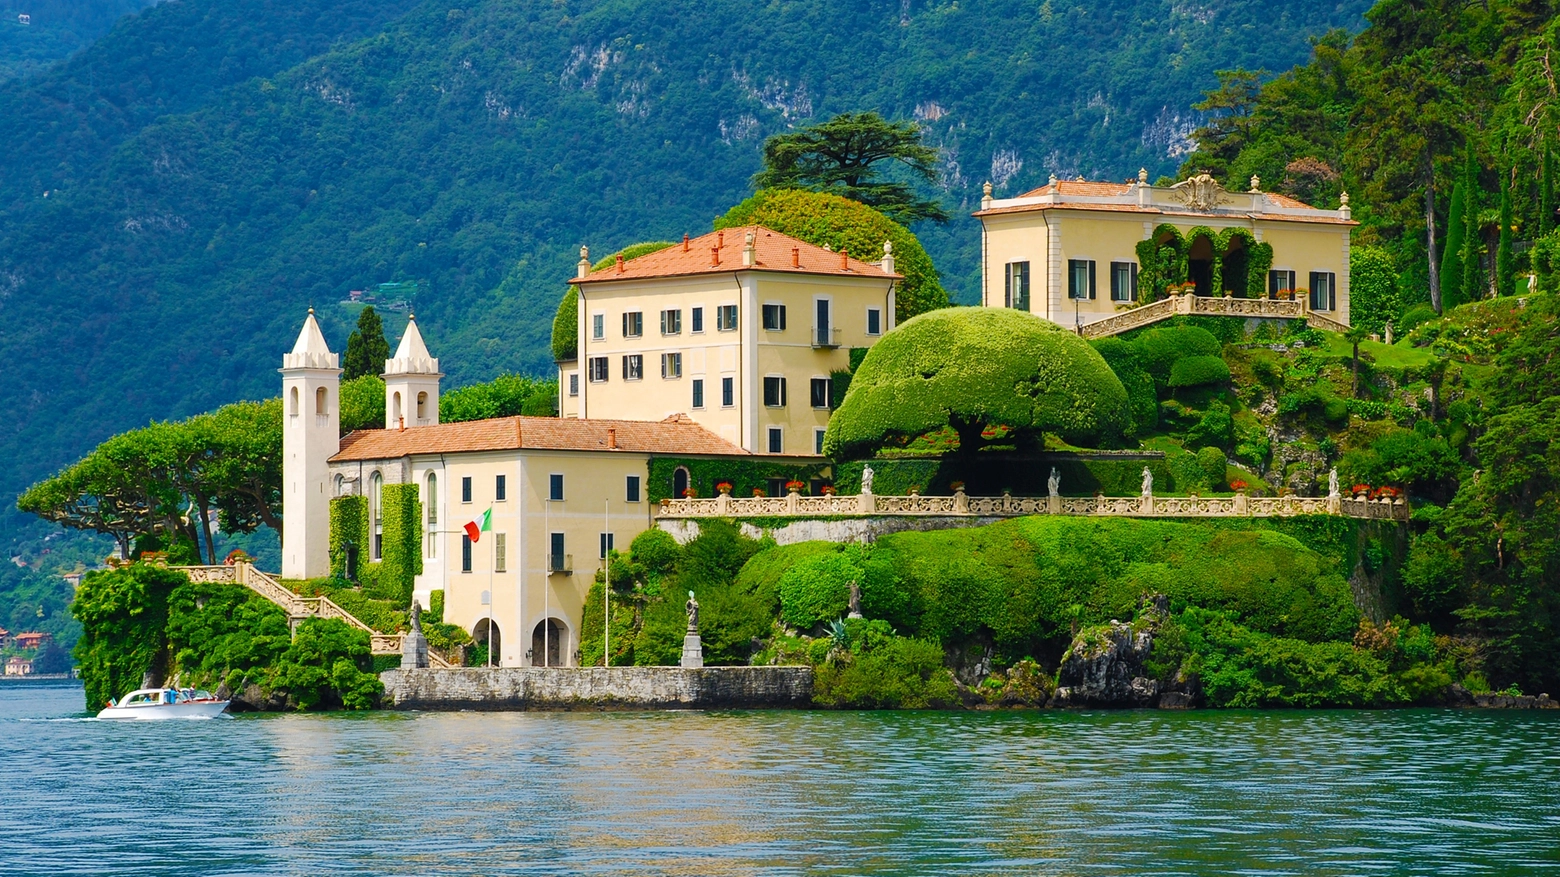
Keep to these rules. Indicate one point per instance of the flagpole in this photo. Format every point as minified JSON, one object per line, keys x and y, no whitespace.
{"x":606,"y":590}
{"x":546,"y":582}
{"x":493,"y":544}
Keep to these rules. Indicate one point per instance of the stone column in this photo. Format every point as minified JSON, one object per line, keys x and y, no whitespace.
{"x":414,"y":651}
{"x":866,"y":503}
{"x":961,"y":502}
{"x":1242,"y":506}
{"x":1053,"y":505}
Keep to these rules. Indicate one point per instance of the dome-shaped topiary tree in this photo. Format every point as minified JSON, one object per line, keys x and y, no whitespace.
{"x":974,"y":368}
{"x":841,"y":224}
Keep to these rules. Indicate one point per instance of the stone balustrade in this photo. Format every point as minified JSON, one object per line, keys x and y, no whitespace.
{"x":1195,"y":305}
{"x":1238,"y":506}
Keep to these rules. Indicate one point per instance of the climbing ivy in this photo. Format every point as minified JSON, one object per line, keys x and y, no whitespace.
{"x":348,"y":523}
{"x":401,"y":552}
{"x":744,"y":475}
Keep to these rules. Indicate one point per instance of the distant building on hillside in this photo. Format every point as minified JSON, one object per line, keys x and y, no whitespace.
{"x":24,"y":19}
{"x":1069,"y":251}
{"x":5,"y":637}
{"x":32,"y":640}
{"x":18,"y":666}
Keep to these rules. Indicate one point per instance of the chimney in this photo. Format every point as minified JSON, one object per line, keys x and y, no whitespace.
{"x":714,"y":256}
{"x":844,"y":260}
{"x":584,"y":266}
{"x":685,"y":243}
{"x":620,"y":263}
{"x":720,"y":239}
{"x":611,"y":438}
{"x":796,"y":257}
{"x":747,"y":250}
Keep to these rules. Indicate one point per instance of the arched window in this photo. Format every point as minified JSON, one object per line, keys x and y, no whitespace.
{"x":292,"y":402}
{"x":433,"y":516}
{"x":376,"y":513}
{"x":341,"y":484}
{"x":395,"y":409}
{"x":680,"y":482}
{"x":422,"y":406}
{"x":319,"y":402}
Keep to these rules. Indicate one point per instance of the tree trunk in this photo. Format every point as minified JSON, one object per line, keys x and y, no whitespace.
{"x":1435,"y":267}
{"x":205,"y":528}
{"x":1354,"y":388}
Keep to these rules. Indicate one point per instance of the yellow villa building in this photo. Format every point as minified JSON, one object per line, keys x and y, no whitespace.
{"x":739,"y":329}
{"x":1077,"y":252}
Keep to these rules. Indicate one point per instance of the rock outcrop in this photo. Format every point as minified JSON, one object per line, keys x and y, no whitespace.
{"x":1104,"y":666}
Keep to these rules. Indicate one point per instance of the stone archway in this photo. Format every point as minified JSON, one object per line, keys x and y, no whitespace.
{"x":549,"y":644}
{"x":486,"y":632}
{"x":1201,"y":258}
{"x":679,"y":482}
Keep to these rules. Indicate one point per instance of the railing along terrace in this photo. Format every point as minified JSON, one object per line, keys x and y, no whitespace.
{"x":1225,"y":306}
{"x":1239,"y":505}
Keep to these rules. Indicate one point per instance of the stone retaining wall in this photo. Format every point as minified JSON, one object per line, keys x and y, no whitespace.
{"x":599,"y":688}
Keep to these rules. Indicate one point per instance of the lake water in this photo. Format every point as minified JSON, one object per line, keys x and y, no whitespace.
{"x":1132,"y":793}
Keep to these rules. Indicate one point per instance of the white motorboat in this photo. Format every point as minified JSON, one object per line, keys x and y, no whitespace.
{"x":165,"y":703}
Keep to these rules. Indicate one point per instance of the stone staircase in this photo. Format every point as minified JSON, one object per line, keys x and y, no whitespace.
{"x":1203,"y":306}
{"x":299,"y":607}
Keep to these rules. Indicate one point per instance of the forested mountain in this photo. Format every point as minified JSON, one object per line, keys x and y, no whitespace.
{"x":36,"y":33}
{"x":174,"y":196}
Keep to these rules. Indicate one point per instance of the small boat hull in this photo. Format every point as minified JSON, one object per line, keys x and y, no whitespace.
{"x":149,"y":704}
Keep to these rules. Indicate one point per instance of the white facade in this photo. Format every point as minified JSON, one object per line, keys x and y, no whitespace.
{"x":411,"y":383}
{"x":311,"y":435}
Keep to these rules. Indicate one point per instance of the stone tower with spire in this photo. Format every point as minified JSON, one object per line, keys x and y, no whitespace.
{"x":311,"y":435}
{"x":411,"y":383}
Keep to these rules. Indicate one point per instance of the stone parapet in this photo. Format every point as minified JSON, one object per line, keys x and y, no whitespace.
{"x":599,"y":688}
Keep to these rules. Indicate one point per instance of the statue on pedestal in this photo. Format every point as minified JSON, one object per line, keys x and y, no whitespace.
{"x":855,"y":601}
{"x":1332,"y":483}
{"x":693,"y":649}
{"x":1148,"y":482}
{"x":1054,"y":483}
{"x":693,"y":614}
{"x":416,"y":617}
{"x":866,"y":479}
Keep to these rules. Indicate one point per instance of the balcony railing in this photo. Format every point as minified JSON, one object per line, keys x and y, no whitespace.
{"x":560,"y":564}
{"x":828,"y":336}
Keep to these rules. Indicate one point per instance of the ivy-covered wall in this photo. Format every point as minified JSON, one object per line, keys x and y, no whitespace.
{"x":348,"y":523}
{"x":744,"y":474}
{"x":401,"y":555}
{"x":1164,"y":259}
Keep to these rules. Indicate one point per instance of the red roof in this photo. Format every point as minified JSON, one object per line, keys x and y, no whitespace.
{"x":1079,"y":187}
{"x":1094,"y":189}
{"x":720,"y":252}
{"x":677,"y":434}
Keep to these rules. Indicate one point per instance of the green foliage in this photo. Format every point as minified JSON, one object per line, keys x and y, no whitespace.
{"x":817,"y":589}
{"x":123,"y":613}
{"x":1373,"y":295}
{"x":1412,"y":459}
{"x":880,"y":670}
{"x":847,"y":226}
{"x":1198,"y":371}
{"x":363,"y":403}
{"x":328,"y":663}
{"x":1213,"y":463}
{"x":990,"y":478}
{"x":401,"y":555}
{"x":657,"y":550}
{"x":1505,"y":261}
{"x":1451,"y":268}
{"x":975,"y":368}
{"x":1215,"y":429}
{"x":1160,"y":349}
{"x":348,"y":523}
{"x":762,"y":573}
{"x":1125,"y":360}
{"x":224,"y":634}
{"x":840,"y":157}
{"x":504,"y":396}
{"x":367,"y":348}
{"x":743,"y":474}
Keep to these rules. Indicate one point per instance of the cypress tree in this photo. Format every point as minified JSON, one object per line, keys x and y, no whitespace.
{"x":1505,"y":265}
{"x":1451,"y":256}
{"x":367,"y":348}
{"x":1472,"y":285}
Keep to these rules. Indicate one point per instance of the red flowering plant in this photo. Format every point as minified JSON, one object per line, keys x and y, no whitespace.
{"x":1386,"y":493}
{"x":1360,"y":489}
{"x":956,"y":486}
{"x":723,"y":486}
{"x":794,"y":486}
{"x":690,"y":493}
{"x":759,"y":491}
{"x":1239,"y":484}
{"x":827,"y":490}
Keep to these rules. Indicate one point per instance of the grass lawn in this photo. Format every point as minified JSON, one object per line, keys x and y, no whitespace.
{"x":1399,"y":355}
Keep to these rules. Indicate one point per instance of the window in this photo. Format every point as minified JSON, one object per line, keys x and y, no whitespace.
{"x":726,"y":318}
{"x":820,"y":392}
{"x":1324,"y":291}
{"x":633,"y":324}
{"x":696,"y":319}
{"x":1015,"y":289}
{"x":698,"y":392}
{"x":1123,"y":281}
{"x":774,"y":318}
{"x":598,"y":326}
{"x":823,"y":322}
{"x":319,"y":402}
{"x":376,"y":512}
{"x":499,"y":488}
{"x":1280,"y":281}
{"x":775,"y":439}
{"x":465,"y":552}
{"x":633,"y":367}
{"x":598,"y":369}
{"x":671,"y":322}
{"x":465,"y":489}
{"x":574,"y":383}
{"x":292,"y":405}
{"x":774,"y":392}
{"x":631,"y":492}
{"x":874,"y":321}
{"x":1080,"y":278}
{"x":818,"y":441}
{"x":728,"y":392}
{"x":555,"y":487}
{"x":422,"y":406}
{"x":555,"y":556}
{"x":671,"y":365}
{"x":500,"y":553}
{"x":606,"y":545}
{"x":432,"y":532}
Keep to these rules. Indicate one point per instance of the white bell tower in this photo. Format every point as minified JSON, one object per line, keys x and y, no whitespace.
{"x":411,"y":383}
{"x":311,"y":435}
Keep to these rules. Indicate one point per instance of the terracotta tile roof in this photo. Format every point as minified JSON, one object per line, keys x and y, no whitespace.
{"x":1080,"y":187}
{"x":1095,"y":189}
{"x":772,"y":251}
{"x":675,"y":435}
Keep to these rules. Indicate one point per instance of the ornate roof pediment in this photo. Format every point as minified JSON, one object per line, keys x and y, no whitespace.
{"x":1201,"y":193}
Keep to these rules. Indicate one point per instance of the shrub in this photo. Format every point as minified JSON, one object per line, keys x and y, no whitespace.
{"x":123,"y":615}
{"x":656,"y":550}
{"x":1373,"y":294}
{"x":1413,"y":318}
{"x":1213,"y":463}
{"x":327,"y":663}
{"x":224,"y":633}
{"x":880,"y":670}
{"x":817,"y":588}
{"x":504,"y":396}
{"x":1161,"y":348}
{"x":975,"y":368}
{"x":1126,"y":362}
{"x":761,"y":575}
{"x":1216,"y":428}
{"x":847,"y":226}
{"x":1197,"y":371}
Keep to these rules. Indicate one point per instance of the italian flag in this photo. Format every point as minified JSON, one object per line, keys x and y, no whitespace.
{"x":476,"y":528}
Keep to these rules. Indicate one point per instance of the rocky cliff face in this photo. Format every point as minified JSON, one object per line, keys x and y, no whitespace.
{"x":1104,"y":666}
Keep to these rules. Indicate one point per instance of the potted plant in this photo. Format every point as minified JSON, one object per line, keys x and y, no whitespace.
{"x":956,"y":486}
{"x":724,"y":487}
{"x":759,"y":491}
{"x":1239,"y":485}
{"x":689,"y":493}
{"x":794,"y":486}
{"x":827,"y":490}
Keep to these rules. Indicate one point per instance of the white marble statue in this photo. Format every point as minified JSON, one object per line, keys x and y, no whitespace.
{"x":1148,"y":482}
{"x":1054,"y":484}
{"x":1332,"y":483}
{"x":866,"y":479}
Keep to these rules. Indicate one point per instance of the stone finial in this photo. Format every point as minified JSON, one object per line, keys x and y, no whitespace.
{"x":1256,"y":184}
{"x":888,"y":258}
{"x":985,"y":197}
{"x":1344,"y":210}
{"x":584,"y":266}
{"x":747,"y":250}
{"x":1053,"y":180}
{"x":986,"y":188}
{"x":1142,"y":176}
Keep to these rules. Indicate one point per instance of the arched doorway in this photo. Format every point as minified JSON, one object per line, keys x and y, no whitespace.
{"x":487,"y":633}
{"x":1234,"y":267}
{"x":1199,"y":264}
{"x":680,"y":482}
{"x":549,"y":644}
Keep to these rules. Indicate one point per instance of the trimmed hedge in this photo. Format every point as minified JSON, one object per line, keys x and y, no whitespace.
{"x":348,"y":522}
{"x":1160,"y":348}
{"x":1126,"y":361}
{"x":1198,"y":371}
{"x":852,"y":227}
{"x":990,"y":477}
{"x":971,"y":368}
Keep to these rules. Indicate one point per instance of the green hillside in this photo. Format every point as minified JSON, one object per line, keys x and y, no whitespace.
{"x":53,"y":29}
{"x":475,"y":148}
